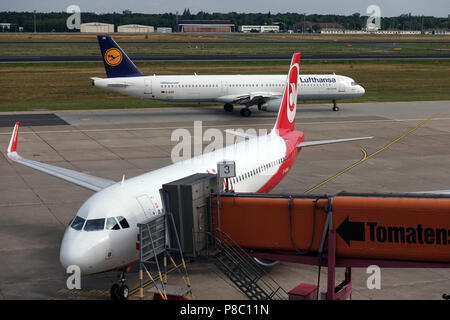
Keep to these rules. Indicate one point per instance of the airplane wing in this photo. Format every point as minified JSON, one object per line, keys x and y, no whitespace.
{"x":249,"y":98}
{"x":433,"y":192}
{"x":320,"y":142}
{"x":78,"y":178}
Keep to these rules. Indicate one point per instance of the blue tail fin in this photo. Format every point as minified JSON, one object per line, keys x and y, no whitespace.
{"x":117,"y":63}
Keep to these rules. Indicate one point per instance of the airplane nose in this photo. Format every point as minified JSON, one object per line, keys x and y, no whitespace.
{"x":72,"y":251}
{"x":362,"y":90}
{"x":77,"y":249}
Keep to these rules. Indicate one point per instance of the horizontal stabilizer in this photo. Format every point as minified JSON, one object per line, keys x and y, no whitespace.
{"x":320,"y":142}
{"x":117,"y":85}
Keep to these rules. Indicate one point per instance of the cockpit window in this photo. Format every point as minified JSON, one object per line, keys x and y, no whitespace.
{"x":94,"y":225}
{"x":112,"y":224}
{"x":123,"y":222}
{"x":78,"y":223}
{"x":354,"y":83}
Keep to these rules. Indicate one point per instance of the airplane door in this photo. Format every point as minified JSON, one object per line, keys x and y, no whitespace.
{"x":341,"y":87}
{"x":148,"y":86}
{"x":223,"y":87}
{"x":147,"y":205}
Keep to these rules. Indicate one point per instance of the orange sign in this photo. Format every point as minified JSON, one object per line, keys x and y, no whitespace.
{"x":113,"y":57}
{"x":367,"y":227}
{"x":415,"y":229}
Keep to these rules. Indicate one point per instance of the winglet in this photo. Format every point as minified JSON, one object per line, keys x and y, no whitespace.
{"x":13,"y":143}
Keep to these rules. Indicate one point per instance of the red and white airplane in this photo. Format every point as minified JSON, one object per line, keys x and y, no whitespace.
{"x":102,"y":235}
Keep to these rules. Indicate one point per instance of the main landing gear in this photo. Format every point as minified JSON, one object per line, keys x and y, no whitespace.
{"x":245,"y":112}
{"x":335,"y":107}
{"x":120,"y":291}
{"x":228,"y":107}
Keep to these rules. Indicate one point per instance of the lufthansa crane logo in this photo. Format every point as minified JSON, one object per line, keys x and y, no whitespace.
{"x":292,"y":96}
{"x":113,"y":57}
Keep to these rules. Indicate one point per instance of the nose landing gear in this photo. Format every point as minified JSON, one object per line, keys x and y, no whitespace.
{"x":120,"y":291}
{"x":335,"y":107}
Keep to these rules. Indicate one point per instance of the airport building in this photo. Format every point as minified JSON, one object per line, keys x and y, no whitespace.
{"x":135,"y":28}
{"x":164,"y":30}
{"x":440,"y":32}
{"x":260,"y":29}
{"x":205,"y":26}
{"x":97,"y":27}
{"x":327,"y":27}
{"x":5,"y":27}
{"x":381,"y":32}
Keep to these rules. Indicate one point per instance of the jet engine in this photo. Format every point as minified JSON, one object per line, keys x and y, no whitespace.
{"x":271,"y":105}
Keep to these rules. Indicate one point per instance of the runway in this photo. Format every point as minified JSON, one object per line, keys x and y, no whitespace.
{"x":224,"y":57}
{"x":36,"y":208}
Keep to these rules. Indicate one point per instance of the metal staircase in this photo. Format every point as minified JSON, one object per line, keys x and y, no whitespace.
{"x":244,"y":271}
{"x":154,"y":243}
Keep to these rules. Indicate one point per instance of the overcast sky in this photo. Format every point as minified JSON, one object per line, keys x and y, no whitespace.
{"x":439,"y":8}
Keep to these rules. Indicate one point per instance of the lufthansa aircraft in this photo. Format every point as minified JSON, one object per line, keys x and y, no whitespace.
{"x":102,"y":235}
{"x":265,"y":91}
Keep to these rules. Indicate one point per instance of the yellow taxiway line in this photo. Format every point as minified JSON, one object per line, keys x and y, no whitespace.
{"x":367,"y":157}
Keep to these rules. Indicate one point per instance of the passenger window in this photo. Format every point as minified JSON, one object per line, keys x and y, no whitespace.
{"x":94,"y":225}
{"x":112,"y":224}
{"x":123,"y":222}
{"x":78,"y":223}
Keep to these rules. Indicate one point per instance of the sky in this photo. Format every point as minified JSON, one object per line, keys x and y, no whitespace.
{"x":389,"y":8}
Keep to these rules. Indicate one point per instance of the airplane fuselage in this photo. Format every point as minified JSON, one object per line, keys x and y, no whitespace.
{"x":227,"y":88}
{"x":138,"y":198}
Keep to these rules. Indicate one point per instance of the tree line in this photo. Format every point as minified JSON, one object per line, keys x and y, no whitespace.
{"x":56,"y":21}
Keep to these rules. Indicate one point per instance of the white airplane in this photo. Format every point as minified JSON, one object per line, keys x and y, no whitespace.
{"x":265,"y":91}
{"x":102,"y":235}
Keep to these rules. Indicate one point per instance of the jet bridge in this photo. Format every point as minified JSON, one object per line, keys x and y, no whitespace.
{"x":344,"y":230}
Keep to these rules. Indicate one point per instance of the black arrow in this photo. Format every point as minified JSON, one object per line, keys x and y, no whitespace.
{"x":351,"y":231}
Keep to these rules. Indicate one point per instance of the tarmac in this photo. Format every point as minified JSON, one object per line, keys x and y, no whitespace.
{"x":410,"y":152}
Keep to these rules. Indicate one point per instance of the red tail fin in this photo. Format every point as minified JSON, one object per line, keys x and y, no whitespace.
{"x":286,"y":115}
{"x":13,"y":142}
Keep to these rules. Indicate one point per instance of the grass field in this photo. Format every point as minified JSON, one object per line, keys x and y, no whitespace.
{"x":16,"y":44}
{"x":55,"y":86}
{"x":91,"y":49}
